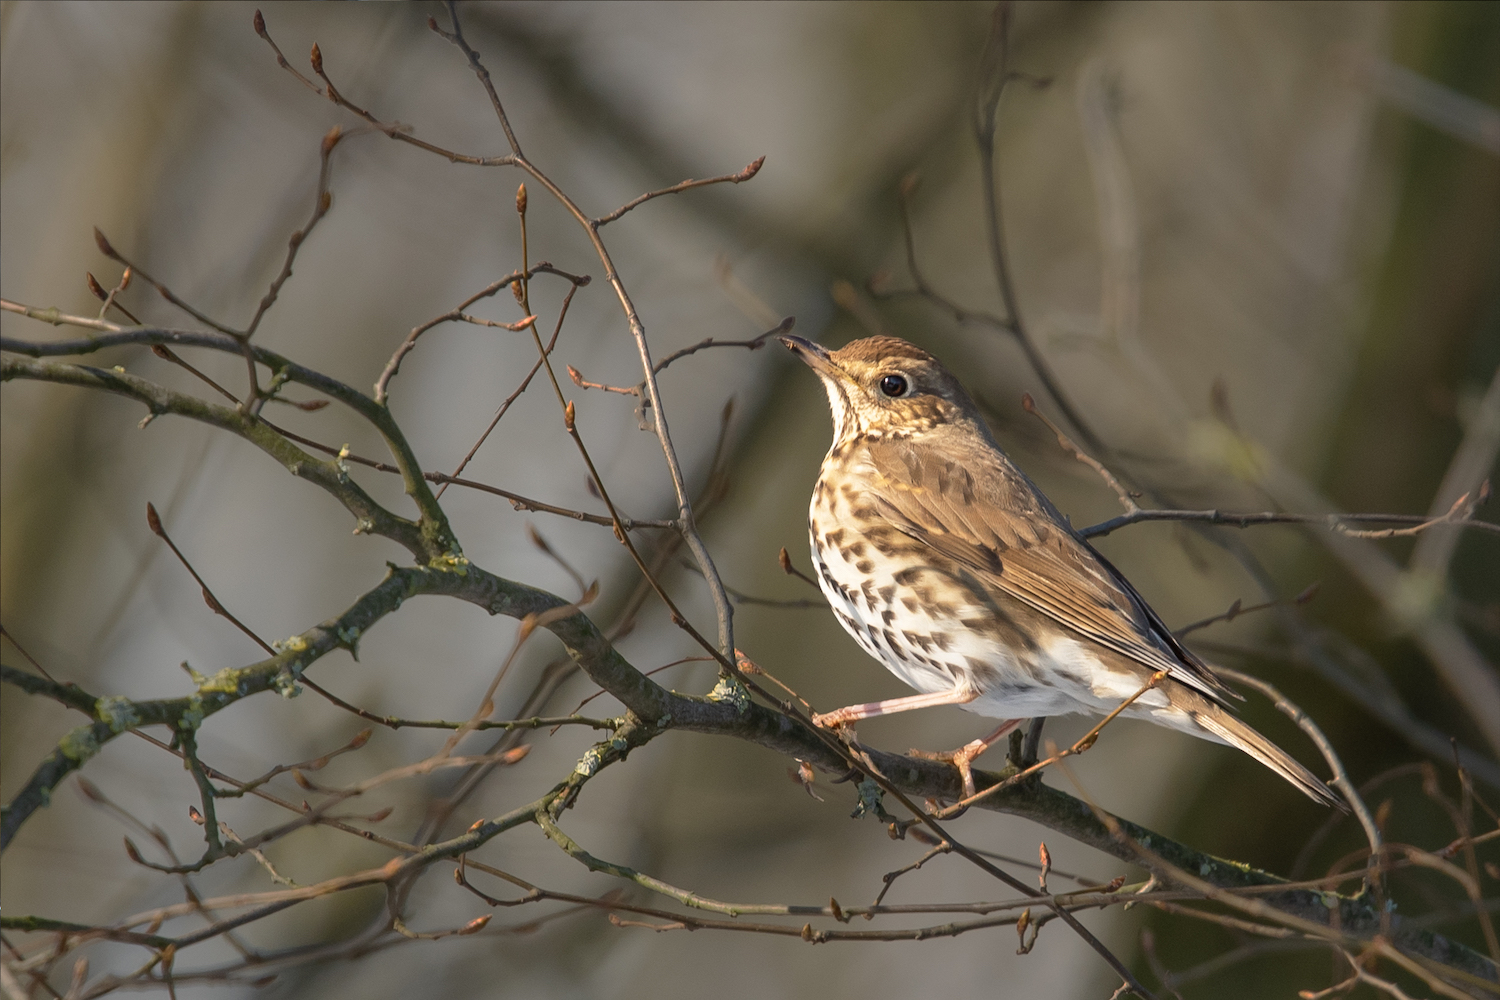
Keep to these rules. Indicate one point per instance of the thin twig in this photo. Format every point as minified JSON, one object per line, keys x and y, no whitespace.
{"x":562,"y":314}
{"x":738,"y":177}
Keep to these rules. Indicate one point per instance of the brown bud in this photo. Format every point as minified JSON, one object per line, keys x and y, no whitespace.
{"x":331,"y":139}
{"x":103,"y":244}
{"x":515,"y":754}
{"x":753,"y":168}
{"x":378,"y":815}
{"x":785,"y":560}
{"x":310,"y":405}
{"x":260,"y":23}
{"x":94,"y":287}
{"x":521,"y":200}
{"x":575,"y":375}
{"x":432,"y":24}
{"x":568,"y":415}
{"x":1115,"y":883}
{"x":1234,"y":610}
{"x":195,"y":815}
{"x":153,"y":521}
{"x":133,"y":852}
{"x":325,"y":202}
{"x":1027,"y":403}
{"x":475,"y":825}
{"x":125,"y":278}
{"x":161,"y":352}
{"x":515,"y":289}
{"x":317,"y":764}
{"x":475,"y":925}
{"x":838,"y":912}
{"x":807,"y":932}
{"x":90,"y":790}
{"x":212,"y":602}
{"x":301,"y":780}
{"x":360,"y":739}
{"x":317,"y":59}
{"x":1308,"y":594}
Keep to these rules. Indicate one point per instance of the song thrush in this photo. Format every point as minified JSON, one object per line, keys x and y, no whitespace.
{"x":948,"y":565}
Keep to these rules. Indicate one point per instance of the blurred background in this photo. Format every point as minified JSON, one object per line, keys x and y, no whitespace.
{"x":1259,"y":244}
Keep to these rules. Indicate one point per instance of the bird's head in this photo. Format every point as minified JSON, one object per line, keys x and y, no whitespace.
{"x":882,"y":387}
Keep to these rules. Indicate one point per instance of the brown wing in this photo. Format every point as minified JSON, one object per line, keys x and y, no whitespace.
{"x":982,"y":512}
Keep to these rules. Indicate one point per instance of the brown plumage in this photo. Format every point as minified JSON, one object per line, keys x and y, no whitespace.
{"x":947,"y":564}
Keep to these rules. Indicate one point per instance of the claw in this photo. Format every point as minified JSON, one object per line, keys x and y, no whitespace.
{"x":962,"y":758}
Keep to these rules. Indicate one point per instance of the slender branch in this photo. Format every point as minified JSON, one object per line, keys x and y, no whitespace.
{"x":382,"y":384}
{"x":1247,"y":519}
{"x":153,"y":520}
{"x":517,"y":501}
{"x":370,"y":517}
{"x":322,"y":202}
{"x":108,"y":250}
{"x":686,"y":523}
{"x":738,"y":177}
{"x":754,"y":343}
{"x":395,"y":722}
{"x":1340,"y":780}
{"x":437,"y":536}
{"x":562,"y":315}
{"x":995,"y":73}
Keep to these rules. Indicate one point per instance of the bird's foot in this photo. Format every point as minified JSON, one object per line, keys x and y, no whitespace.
{"x":962,"y":758}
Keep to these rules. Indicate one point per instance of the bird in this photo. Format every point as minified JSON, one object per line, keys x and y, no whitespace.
{"x":947,"y":564}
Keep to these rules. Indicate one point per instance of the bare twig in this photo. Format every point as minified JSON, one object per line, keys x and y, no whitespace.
{"x":154,"y":522}
{"x":1340,"y":780}
{"x":456,"y":314}
{"x":686,"y":523}
{"x":562,"y":315}
{"x":738,"y":177}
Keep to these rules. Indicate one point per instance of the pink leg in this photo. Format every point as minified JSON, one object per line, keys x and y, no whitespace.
{"x":890,"y":706}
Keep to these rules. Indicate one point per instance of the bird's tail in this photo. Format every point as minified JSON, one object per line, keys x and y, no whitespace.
{"x":1234,"y":731}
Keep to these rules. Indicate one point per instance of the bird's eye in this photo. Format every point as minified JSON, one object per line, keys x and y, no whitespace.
{"x":893,"y":385}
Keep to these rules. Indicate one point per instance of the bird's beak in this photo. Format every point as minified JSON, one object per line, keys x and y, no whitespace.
{"x":815,"y":356}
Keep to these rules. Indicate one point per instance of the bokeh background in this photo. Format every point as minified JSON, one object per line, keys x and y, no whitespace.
{"x":1298,"y":203}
